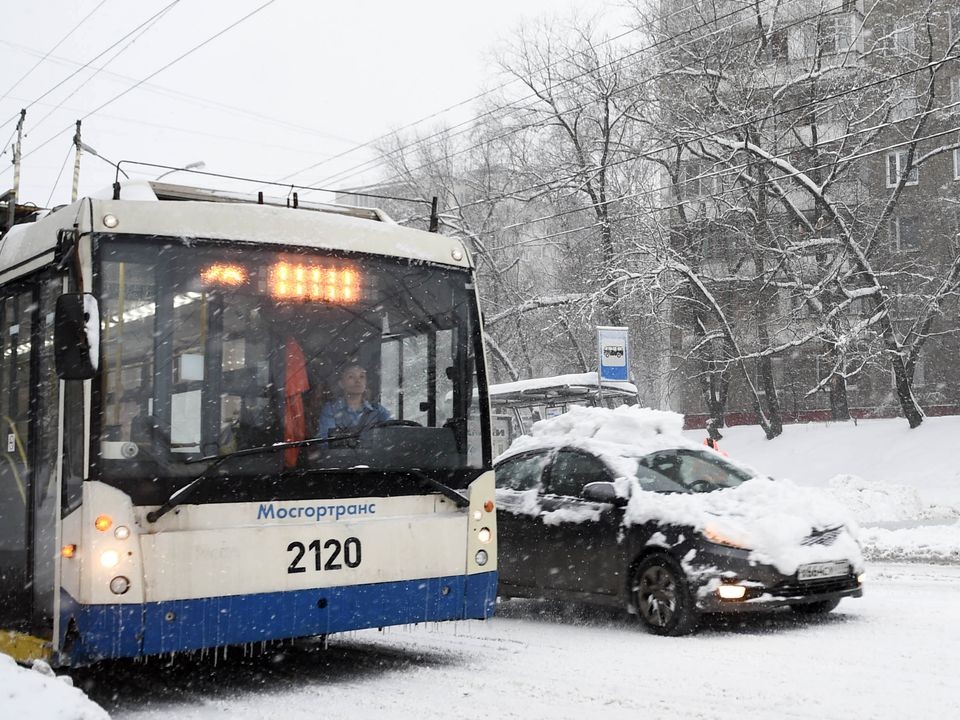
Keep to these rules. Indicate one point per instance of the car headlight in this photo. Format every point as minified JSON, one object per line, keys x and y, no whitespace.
{"x":712,"y":534}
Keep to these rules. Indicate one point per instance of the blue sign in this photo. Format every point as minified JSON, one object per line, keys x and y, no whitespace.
{"x":614,"y":353}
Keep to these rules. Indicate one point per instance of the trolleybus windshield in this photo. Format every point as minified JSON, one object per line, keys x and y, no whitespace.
{"x":209,"y":349}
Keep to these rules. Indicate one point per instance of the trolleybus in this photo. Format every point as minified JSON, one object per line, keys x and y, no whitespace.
{"x":167,"y":482}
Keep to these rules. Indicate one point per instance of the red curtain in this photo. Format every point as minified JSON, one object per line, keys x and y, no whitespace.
{"x":295,"y":384}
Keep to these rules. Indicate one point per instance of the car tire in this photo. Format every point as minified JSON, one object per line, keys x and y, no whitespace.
{"x":821,"y":607}
{"x":660,"y":595}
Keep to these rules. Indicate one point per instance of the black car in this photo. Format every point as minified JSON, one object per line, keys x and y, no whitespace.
{"x":572,"y":527}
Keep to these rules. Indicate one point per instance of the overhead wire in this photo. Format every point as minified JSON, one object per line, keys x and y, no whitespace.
{"x":95,"y":58}
{"x":446,"y":134}
{"x":98,"y":70}
{"x":51,"y":50}
{"x":474,"y":98}
{"x":707,"y":135}
{"x":187,"y":97}
{"x":731,"y":171}
{"x":133,"y":87}
{"x":59,"y":175}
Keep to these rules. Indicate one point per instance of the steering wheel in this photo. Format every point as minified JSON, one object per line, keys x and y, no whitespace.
{"x":700,"y":486}
{"x":396,"y":423}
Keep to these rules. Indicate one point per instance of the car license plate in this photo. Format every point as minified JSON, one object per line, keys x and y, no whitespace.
{"x":821,"y":570}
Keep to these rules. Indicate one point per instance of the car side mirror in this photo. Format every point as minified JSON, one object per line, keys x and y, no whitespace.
{"x":76,"y":336}
{"x":604,"y":492}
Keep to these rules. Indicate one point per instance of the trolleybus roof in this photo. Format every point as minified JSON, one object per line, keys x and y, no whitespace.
{"x":196,"y":213}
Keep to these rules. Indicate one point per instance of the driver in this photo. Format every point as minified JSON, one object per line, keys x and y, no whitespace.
{"x":351,"y":412}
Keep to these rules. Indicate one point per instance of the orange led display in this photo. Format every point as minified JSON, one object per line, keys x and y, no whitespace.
{"x":223,"y":274}
{"x":313,"y":283}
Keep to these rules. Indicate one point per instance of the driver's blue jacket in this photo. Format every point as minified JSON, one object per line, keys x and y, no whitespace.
{"x":337,"y":415}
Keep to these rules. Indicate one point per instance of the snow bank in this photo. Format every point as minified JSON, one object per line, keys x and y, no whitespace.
{"x":873,"y":502}
{"x":38,"y":694}
{"x":886,"y":454}
{"x":934,"y":543}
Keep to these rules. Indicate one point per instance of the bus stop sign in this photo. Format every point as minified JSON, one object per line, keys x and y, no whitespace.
{"x":614,"y":353}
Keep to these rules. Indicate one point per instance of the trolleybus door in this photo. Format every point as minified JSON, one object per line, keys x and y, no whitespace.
{"x":29,"y":412}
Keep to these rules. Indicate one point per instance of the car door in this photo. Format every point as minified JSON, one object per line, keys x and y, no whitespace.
{"x":520,"y":541}
{"x":584,"y":552}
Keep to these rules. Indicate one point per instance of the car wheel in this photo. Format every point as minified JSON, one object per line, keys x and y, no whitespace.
{"x":820,"y":607}
{"x":659,"y":592}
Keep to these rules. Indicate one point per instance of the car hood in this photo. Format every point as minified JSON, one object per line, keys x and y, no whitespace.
{"x":780,"y":523}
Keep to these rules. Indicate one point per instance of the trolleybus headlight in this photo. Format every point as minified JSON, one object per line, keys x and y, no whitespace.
{"x":481,"y":557}
{"x":110,"y":221}
{"x":109,"y":558}
{"x":122,"y":532}
{"x":103,"y":522}
{"x":484,"y":535}
{"x":68,"y":551}
{"x":477,"y":515}
{"x":119,"y":585}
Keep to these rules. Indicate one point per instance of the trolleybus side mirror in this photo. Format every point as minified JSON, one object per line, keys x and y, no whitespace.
{"x":76,"y":341}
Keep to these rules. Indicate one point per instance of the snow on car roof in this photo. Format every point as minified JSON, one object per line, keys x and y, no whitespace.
{"x":618,"y":436}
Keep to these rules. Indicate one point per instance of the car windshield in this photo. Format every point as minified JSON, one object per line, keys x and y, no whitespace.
{"x":687,"y":471}
{"x":208,"y":350}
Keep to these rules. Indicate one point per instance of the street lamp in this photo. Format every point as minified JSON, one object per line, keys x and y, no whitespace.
{"x":198,"y":165}
{"x":87,"y":148}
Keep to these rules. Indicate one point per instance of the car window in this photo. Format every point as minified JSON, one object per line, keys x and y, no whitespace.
{"x":521,"y":473}
{"x":572,"y":470}
{"x":655,"y":481}
{"x":702,"y":469}
{"x":691,"y":471}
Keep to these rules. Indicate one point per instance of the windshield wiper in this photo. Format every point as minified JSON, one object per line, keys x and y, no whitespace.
{"x":460,"y":500}
{"x":178,"y":497}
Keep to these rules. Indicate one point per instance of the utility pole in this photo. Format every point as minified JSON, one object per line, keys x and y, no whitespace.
{"x":76,"y":164}
{"x":12,"y":210}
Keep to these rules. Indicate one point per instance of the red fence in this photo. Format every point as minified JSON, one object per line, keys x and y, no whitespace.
{"x":699,"y":422}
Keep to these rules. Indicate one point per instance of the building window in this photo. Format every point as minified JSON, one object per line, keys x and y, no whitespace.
{"x":956,"y":164}
{"x":954,"y":25}
{"x":904,"y":234}
{"x":955,"y":93}
{"x":896,"y":162}
{"x":893,"y":41}
{"x":835,"y":33}
{"x":904,"y":108}
{"x":699,"y":179}
{"x":779,"y":44}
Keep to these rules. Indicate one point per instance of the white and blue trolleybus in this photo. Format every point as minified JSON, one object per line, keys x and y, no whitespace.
{"x":226,"y":421}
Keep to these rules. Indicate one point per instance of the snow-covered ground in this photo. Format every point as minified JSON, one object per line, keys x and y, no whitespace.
{"x":38,"y":694}
{"x":891,"y":654}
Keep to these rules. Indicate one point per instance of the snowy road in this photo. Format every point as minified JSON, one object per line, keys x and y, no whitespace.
{"x":893,"y":654}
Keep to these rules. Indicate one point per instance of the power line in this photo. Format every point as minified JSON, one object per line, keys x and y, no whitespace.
{"x":734,"y":170}
{"x":494,"y":89}
{"x":98,"y":56}
{"x":59,"y":175}
{"x":345,"y":174}
{"x":153,"y":74}
{"x":706,"y":136}
{"x":58,"y":44}
{"x":97,"y":71}
{"x":178,"y":94}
